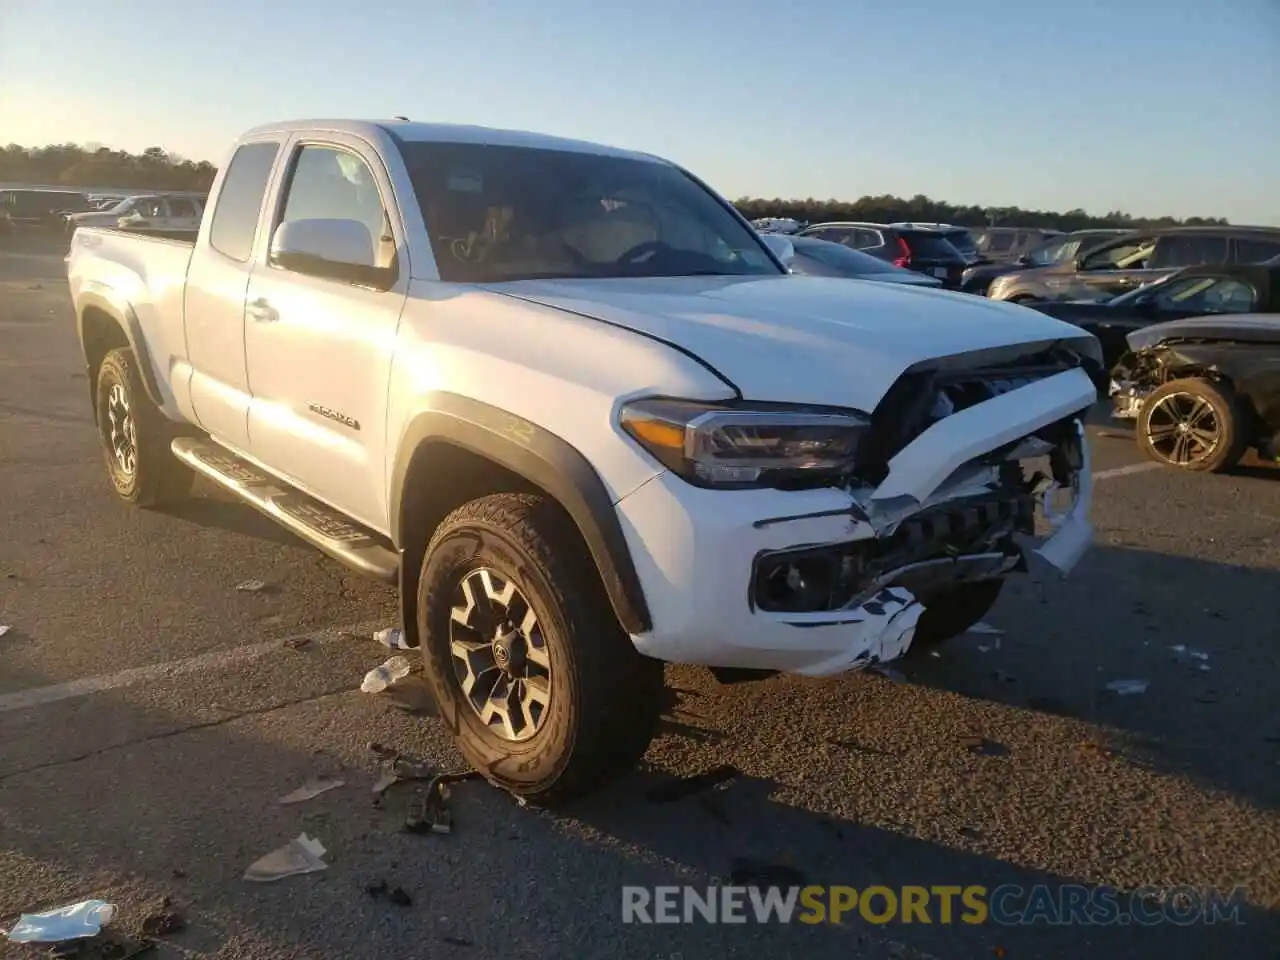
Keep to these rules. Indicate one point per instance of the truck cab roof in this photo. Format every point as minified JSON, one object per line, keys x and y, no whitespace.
{"x":409,"y":131}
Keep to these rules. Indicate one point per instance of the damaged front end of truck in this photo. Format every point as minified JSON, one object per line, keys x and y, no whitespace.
{"x":967,"y":476}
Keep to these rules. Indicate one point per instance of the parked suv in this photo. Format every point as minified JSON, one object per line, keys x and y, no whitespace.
{"x":1057,"y":250}
{"x":41,"y":207}
{"x":910,"y":246}
{"x":1002,"y":244}
{"x":1137,"y":258}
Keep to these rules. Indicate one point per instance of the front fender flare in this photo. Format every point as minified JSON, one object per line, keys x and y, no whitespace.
{"x":546,"y":461}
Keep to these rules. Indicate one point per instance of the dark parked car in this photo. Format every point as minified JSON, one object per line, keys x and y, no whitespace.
{"x":41,"y":207}
{"x":808,"y":256}
{"x":1061,"y":248}
{"x":1001,"y":244}
{"x":1203,"y":390}
{"x":1191,"y":292}
{"x":922,"y":249}
{"x":1136,"y":258}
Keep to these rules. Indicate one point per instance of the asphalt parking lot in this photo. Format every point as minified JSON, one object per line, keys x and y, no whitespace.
{"x":151,"y":714}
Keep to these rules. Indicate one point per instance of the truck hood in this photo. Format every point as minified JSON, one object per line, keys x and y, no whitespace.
{"x":800,"y":339}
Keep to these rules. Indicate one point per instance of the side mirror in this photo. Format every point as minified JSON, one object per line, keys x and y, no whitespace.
{"x":781,"y":247}
{"x":1024,"y":260}
{"x":334,"y":249}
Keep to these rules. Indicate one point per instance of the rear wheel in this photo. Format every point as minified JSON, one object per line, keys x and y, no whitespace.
{"x":1193,"y":425}
{"x":950,"y":614}
{"x":135,"y":436}
{"x":544,"y":691}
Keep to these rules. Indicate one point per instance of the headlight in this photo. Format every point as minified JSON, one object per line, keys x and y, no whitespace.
{"x":714,"y":445}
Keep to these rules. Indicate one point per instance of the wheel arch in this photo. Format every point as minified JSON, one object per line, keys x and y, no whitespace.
{"x":103,"y":326}
{"x":461,"y":449}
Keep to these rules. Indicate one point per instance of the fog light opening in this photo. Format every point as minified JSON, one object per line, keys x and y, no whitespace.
{"x":807,"y":584}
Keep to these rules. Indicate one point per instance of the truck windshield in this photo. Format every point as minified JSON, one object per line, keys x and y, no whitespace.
{"x":498,"y":213}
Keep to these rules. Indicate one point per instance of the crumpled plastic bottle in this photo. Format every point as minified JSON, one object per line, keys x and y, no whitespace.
{"x":379,"y":678}
{"x":392,"y":637}
{"x":84,"y":919}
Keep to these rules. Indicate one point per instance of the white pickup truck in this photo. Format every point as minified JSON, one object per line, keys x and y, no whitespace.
{"x":566,"y":396}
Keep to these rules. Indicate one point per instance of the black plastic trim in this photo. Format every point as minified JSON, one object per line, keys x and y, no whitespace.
{"x":546,"y":461}
{"x":129,"y":325}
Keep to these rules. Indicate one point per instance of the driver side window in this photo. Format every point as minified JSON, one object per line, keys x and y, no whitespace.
{"x":329,"y":183}
{"x":1127,"y":255}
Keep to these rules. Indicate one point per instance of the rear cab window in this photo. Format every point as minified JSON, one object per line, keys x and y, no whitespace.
{"x":235,"y":215}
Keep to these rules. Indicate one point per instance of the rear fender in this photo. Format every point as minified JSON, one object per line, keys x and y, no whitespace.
{"x":99,"y":298}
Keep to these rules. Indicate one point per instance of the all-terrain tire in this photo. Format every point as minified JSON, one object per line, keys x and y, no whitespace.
{"x":950,"y":614}
{"x":157,"y":477}
{"x":605,"y":697}
{"x":1229,"y":416}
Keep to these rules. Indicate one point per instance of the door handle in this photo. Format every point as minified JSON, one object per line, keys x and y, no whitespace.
{"x":262,"y":311}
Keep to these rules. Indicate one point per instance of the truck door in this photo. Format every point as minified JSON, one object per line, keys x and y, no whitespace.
{"x":214,"y":301}
{"x":318,"y":345}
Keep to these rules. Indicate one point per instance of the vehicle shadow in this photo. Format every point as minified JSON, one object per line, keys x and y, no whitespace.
{"x":218,"y":510}
{"x":1194,"y":631}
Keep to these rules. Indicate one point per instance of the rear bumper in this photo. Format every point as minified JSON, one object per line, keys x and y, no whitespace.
{"x":697,"y":551}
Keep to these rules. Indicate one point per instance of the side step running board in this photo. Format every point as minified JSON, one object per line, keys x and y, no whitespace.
{"x":320,"y":525}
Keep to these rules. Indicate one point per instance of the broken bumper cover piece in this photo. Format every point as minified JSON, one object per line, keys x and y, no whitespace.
{"x":696,"y":550}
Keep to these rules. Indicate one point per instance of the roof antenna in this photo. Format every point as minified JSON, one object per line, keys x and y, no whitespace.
{"x":398,"y":117}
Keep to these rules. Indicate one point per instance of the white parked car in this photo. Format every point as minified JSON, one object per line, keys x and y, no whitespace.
{"x":146,"y":213}
{"x":568,"y":400}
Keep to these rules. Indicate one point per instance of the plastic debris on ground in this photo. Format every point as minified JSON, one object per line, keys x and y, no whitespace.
{"x":1128,"y":688}
{"x":300,"y":855}
{"x":985,"y":628}
{"x":310,"y":790}
{"x":4,"y":628}
{"x":428,"y":810}
{"x":379,"y":678}
{"x":251,"y":586}
{"x":1187,"y":654}
{"x":393,"y":638}
{"x":83,"y":919}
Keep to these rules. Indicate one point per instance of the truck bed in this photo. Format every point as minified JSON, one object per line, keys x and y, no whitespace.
{"x":146,"y":273}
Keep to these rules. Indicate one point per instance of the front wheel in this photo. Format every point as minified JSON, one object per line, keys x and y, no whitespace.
{"x":543,"y":690}
{"x":1194,"y":425}
{"x":135,"y":436}
{"x":954,"y":612}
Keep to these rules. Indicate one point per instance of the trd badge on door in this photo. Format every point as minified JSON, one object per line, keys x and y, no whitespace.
{"x":331,"y":414}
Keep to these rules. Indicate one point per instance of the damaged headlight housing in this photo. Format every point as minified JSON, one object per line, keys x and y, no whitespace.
{"x":746,"y":445}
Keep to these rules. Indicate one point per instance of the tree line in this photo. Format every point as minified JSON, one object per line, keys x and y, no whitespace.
{"x":922,"y":209}
{"x":73,"y":165}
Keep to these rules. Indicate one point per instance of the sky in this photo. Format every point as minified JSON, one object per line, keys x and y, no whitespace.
{"x":1149,"y":106}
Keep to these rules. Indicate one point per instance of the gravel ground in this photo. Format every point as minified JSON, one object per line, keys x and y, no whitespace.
{"x":1004,"y":760}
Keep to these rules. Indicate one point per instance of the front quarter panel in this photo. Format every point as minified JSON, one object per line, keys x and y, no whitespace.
{"x":564,"y":373}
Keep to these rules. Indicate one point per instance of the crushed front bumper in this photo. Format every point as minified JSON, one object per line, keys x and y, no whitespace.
{"x":697,"y":551}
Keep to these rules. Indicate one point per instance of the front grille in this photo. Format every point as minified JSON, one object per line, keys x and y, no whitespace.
{"x":922,"y":396}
